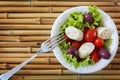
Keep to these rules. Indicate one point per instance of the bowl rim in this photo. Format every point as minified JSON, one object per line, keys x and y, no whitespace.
{"x":57,"y":52}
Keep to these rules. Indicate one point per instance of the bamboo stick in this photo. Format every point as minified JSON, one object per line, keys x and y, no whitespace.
{"x":97,"y":77}
{"x":58,"y":9}
{"x":3,"y":15}
{"x":14,"y":49}
{"x":116,"y":66}
{"x":117,"y":55}
{"x":106,"y":9}
{"x":3,"y":66}
{"x":118,"y":3}
{"x":48,"y":15}
{"x":47,"y":21}
{"x":71,"y":3}
{"x":40,"y":3}
{"x":110,"y":9}
{"x":9,"y":38}
{"x":19,"y":44}
{"x":118,"y":31}
{"x":108,"y":67}
{"x":35,"y":66}
{"x":24,"y":9}
{"x":110,"y":72}
{"x":34,"y":38}
{"x":117,"y":21}
{"x":68,"y":72}
{"x":29,"y":72}
{"x":24,"y":55}
{"x":34,"y":50}
{"x":20,"y":60}
{"x":53,"y":61}
{"x":118,"y":27}
{"x":30,"y":32}
{"x":118,"y":49}
{"x":17,"y":78}
{"x":32,"y":15}
{"x":46,"y":77}
{"x":14,"y":3}
{"x":24,"y":27}
{"x":67,"y":77}
{"x":5,"y":32}
{"x":114,"y":15}
{"x":116,"y":60}
{"x":101,"y":72}
{"x":20,"y":21}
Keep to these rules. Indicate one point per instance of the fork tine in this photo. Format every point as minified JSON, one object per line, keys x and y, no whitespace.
{"x":56,"y":42}
{"x":51,"y":43}
{"x":53,"y":39}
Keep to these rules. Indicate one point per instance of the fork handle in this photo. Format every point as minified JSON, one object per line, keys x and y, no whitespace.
{"x":10,"y":73}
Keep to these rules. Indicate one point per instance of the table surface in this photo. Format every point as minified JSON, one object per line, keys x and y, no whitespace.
{"x":24,"y":25}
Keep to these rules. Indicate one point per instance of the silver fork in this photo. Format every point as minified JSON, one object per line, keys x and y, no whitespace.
{"x":46,"y":46}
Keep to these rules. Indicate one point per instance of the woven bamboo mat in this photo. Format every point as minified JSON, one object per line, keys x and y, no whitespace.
{"x":24,"y":25}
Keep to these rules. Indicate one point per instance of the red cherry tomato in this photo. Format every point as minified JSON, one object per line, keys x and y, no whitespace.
{"x":67,"y":38}
{"x":99,"y":42}
{"x":86,"y":29}
{"x":95,"y":56}
{"x":76,"y":44}
{"x":90,"y":35}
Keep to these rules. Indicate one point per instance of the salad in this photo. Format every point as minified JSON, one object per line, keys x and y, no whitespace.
{"x":87,"y":40}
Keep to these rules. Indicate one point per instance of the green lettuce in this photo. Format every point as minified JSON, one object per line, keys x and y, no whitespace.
{"x":107,"y":43}
{"x":75,"y":19}
{"x":85,"y":62}
{"x":97,"y":17}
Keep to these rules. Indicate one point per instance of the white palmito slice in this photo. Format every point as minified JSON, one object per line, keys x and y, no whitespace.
{"x":86,"y":49}
{"x":104,"y":32}
{"x":74,"y":33}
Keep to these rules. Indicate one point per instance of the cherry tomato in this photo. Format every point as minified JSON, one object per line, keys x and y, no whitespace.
{"x":90,"y":35}
{"x":95,"y":56}
{"x":67,"y":38}
{"x":86,"y":29}
{"x":76,"y":44}
{"x":99,"y":42}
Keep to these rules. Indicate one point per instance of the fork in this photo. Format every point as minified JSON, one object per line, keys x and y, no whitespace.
{"x":46,"y":46}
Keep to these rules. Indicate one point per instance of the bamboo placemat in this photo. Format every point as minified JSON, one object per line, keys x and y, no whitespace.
{"x":24,"y":25}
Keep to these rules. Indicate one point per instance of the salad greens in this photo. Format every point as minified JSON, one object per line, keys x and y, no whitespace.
{"x":76,"y":19}
{"x":96,"y":15}
{"x":107,"y":43}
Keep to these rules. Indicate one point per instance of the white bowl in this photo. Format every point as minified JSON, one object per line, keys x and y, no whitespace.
{"x":102,"y":63}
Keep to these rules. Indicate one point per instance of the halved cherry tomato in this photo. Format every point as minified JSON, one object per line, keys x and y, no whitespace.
{"x":95,"y":56}
{"x":76,"y":44}
{"x":99,"y":42}
{"x":67,"y":38}
{"x":90,"y":35}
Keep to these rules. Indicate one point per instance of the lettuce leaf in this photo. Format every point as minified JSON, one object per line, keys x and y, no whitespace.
{"x":75,"y":19}
{"x":85,"y":62}
{"x":107,"y":43}
{"x":96,"y":16}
